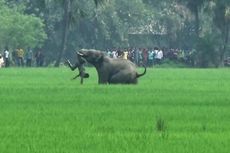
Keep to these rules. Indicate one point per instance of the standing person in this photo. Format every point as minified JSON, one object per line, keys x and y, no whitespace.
{"x":156,"y":50}
{"x":119,"y":53}
{"x":125,"y":54}
{"x":136,"y":56}
{"x":159,"y":56}
{"x":39,"y":58}
{"x":150,"y":57}
{"x":6,"y":57}
{"x":114,"y":53}
{"x":131,"y":55}
{"x":14,"y":58}
{"x":145,"y":56}
{"x":109,"y":53}
{"x":20,"y":55}
{"x":29,"y":57}
{"x":1,"y":61}
{"x":140,"y":57}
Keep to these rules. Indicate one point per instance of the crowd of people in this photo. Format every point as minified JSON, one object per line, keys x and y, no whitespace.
{"x":151,"y":56}
{"x":21,"y":58}
{"x":140,"y":56}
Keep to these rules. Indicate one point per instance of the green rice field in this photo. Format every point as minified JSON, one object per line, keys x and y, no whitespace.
{"x":169,"y":111}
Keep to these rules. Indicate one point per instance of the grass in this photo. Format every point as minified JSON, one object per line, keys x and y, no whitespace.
{"x":170,"y":110}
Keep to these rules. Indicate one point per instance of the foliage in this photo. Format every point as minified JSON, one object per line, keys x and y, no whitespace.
{"x":221,"y":20}
{"x":167,"y":63}
{"x":208,"y":54}
{"x":18,"y":29}
{"x":103,"y":24}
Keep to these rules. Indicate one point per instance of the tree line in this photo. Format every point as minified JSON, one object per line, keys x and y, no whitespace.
{"x":59,"y":27}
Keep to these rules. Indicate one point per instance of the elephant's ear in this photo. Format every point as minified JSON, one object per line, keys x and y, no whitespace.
{"x":100,"y":58}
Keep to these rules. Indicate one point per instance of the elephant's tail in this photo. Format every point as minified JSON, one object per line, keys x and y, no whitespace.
{"x":139,"y":75}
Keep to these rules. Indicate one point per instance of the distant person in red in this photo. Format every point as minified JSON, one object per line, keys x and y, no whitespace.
{"x":145,"y":56}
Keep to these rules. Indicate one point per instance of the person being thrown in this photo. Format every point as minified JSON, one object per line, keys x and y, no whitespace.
{"x":80,"y":65}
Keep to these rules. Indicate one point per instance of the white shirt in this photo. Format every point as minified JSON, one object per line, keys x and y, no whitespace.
{"x":6,"y":54}
{"x":114,"y":54}
{"x":1,"y":62}
{"x":159,"y":55}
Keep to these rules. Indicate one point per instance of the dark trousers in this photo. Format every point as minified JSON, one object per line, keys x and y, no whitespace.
{"x":7,"y":62}
{"x":29,"y":62}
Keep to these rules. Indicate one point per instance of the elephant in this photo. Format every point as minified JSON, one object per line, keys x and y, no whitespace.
{"x":80,"y":65}
{"x":110,"y":70}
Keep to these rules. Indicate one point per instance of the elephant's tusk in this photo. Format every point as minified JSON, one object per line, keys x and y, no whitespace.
{"x":80,"y":54}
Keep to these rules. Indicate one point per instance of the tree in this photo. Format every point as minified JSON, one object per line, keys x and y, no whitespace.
{"x":17,"y":29}
{"x":98,"y":27}
{"x":195,"y":6}
{"x":171,"y":19}
{"x":68,"y":7}
{"x":66,"y":22}
{"x":208,"y":51}
{"x":186,"y":24}
{"x":222,"y":21}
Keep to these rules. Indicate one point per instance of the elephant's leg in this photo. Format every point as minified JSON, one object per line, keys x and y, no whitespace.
{"x":102,"y":76}
{"x":102,"y":79}
{"x":123,"y":77}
